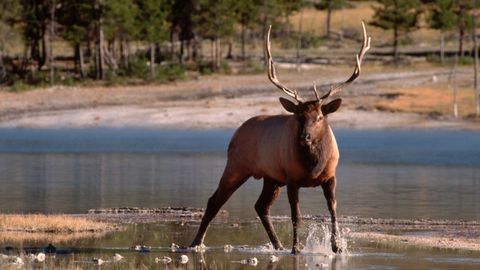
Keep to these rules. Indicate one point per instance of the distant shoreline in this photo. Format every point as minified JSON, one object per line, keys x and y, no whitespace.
{"x":382,"y":100}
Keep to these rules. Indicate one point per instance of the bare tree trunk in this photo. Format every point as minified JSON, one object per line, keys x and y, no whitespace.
{"x":244,"y":34}
{"x":81,"y":66}
{"x":475,"y":66}
{"x":173,"y":37}
{"x":461,"y":52}
{"x":3,"y":71}
{"x":461,"y":29}
{"x":212,"y":54}
{"x":218,"y":53}
{"x":152,"y":60}
{"x":45,"y":52}
{"x":329,"y":19}
{"x":442,"y":47}
{"x":125,"y":53}
{"x":287,"y":38}
{"x":99,"y":56}
{"x":299,"y":40}
{"x":197,"y":49}
{"x":181,"y":55}
{"x":230,"y":48}
{"x":395,"y":45}
{"x":50,"y":42}
{"x":452,"y":84}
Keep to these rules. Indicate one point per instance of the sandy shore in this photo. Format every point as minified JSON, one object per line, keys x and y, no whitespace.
{"x":221,"y":101}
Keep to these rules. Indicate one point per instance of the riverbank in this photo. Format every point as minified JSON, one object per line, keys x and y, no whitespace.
{"x":380,"y":99}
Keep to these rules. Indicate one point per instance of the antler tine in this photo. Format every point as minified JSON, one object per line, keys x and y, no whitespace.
{"x":272,"y":75}
{"x":356,"y":72}
{"x":315,"y":91}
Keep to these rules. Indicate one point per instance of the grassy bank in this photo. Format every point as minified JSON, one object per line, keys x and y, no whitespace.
{"x":38,"y":223}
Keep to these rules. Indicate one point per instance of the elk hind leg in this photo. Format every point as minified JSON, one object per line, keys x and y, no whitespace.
{"x":229,"y":183}
{"x":269,"y":193}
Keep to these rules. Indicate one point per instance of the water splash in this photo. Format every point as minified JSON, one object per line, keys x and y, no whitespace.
{"x":318,"y":240}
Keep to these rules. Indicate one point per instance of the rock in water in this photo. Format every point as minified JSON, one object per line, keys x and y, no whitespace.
{"x":142,"y":248}
{"x":183,"y":259}
{"x":250,"y":261}
{"x":17,"y":261}
{"x":273,"y":259}
{"x":40,"y":257}
{"x":117,"y":257}
{"x":174,"y":247}
{"x":227,"y":248}
{"x":97,"y":261}
{"x":165,"y":260}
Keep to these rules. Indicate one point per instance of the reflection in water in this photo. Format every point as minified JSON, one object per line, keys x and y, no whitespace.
{"x":398,"y":174}
{"x":76,"y":182}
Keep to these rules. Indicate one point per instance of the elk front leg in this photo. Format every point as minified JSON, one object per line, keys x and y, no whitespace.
{"x":269,"y":193}
{"x":296,"y":216}
{"x":329,"y":192}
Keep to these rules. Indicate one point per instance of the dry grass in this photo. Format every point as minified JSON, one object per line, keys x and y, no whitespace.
{"x":38,"y":223}
{"x":58,"y":238}
{"x":349,"y":18}
{"x":436,"y":100}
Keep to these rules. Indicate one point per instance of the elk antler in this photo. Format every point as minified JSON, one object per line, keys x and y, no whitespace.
{"x":271,"y":70}
{"x":356,"y":72}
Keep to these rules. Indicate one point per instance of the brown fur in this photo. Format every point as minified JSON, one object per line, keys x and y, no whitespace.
{"x":273,"y":148}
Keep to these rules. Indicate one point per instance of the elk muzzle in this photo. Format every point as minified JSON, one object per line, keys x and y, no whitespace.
{"x":306,"y":138}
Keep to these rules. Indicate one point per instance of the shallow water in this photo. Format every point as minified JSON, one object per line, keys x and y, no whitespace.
{"x":385,"y":174}
{"x":248,"y":241}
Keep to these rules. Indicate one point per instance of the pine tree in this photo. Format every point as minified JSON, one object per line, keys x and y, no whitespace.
{"x":153,"y":25}
{"x":34,"y":27}
{"x":397,"y":15}
{"x":215,"y":20}
{"x":246,"y":12}
{"x":442,"y":17}
{"x":9,"y":14}
{"x":76,"y":26}
{"x":182,"y":23}
{"x":464,"y":21}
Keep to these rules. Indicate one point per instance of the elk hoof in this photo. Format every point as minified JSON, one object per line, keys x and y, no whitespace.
{"x":336,"y":249}
{"x":295,"y":250}
{"x":278,"y":246}
{"x":335,"y":246}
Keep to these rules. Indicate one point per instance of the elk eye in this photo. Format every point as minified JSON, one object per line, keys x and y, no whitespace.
{"x":319,"y":118}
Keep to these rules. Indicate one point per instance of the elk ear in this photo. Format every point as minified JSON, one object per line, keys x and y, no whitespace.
{"x":288,"y":105}
{"x":332,"y":106}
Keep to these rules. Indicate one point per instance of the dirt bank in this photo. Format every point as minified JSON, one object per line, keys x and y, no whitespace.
{"x":379,"y":99}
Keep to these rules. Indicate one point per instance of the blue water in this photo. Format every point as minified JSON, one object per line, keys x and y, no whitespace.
{"x":382,"y":173}
{"x":432,"y":147}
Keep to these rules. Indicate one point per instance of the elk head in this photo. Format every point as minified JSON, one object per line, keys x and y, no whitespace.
{"x":312,"y":114}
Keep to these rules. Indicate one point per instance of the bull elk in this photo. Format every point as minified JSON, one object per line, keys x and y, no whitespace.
{"x":296,"y":150}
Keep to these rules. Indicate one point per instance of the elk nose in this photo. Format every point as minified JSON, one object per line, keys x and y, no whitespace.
{"x":306,"y":137}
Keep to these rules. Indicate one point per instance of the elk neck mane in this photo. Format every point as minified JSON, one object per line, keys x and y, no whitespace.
{"x":315,"y":155}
